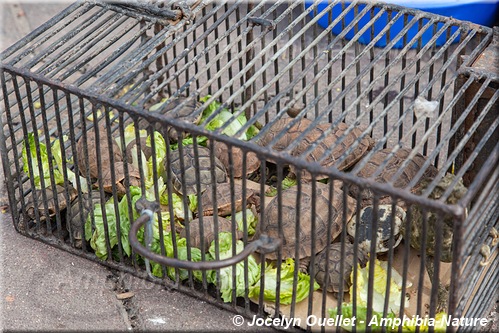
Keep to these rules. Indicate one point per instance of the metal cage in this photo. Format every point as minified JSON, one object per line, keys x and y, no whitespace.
{"x":78,"y":89}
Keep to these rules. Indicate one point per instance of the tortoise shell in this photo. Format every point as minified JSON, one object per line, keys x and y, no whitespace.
{"x":131,"y":149}
{"x":52,"y":208}
{"x":222,"y":153}
{"x":119,"y":174}
{"x":94,"y":148}
{"x":270,"y":132}
{"x":417,"y":224}
{"x":389,"y":170}
{"x":366,"y":143}
{"x":224,"y":225}
{"x":190,"y":173}
{"x":79,"y":217}
{"x":184,"y":113}
{"x":224,"y":199}
{"x":384,"y":218}
{"x":335,"y":276}
{"x":323,"y":208}
{"x":330,"y":140}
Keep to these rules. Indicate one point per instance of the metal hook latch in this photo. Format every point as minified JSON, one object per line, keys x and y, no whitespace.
{"x":264,"y":244}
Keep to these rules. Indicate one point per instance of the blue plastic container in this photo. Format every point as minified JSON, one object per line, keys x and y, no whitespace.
{"x":482,"y":12}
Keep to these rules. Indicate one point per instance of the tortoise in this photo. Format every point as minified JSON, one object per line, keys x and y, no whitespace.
{"x":366,"y":143}
{"x":94,"y":148}
{"x":224,"y":225}
{"x":184,"y":113}
{"x":331,"y":140}
{"x":189,"y":172}
{"x":222,"y":153}
{"x":131,"y":149}
{"x":415,"y":234}
{"x":51,"y":204}
{"x":336,"y":277}
{"x":389,"y":170}
{"x":225,"y":198}
{"x":119,"y":174}
{"x":384,"y":218}
{"x":270,"y":133}
{"x":324,"y":209}
{"x":88,"y":201}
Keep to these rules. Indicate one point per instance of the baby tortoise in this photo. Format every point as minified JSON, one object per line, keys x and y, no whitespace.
{"x":225,"y":199}
{"x":389,"y":170}
{"x":94,"y":148}
{"x":365,"y":144}
{"x":190,"y":173}
{"x":335,"y":276}
{"x":224,"y":225}
{"x":183,"y":113}
{"x":415,"y":235}
{"x":238,"y":156}
{"x":384,"y":222}
{"x":330,"y":140}
{"x":119,"y":174}
{"x":290,"y":212}
{"x":131,"y":149}
{"x":52,"y":207}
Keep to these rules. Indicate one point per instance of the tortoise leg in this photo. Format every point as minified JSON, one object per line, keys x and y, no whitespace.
{"x":443,"y":291}
{"x":303,"y":265}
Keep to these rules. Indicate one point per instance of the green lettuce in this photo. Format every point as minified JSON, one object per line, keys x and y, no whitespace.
{"x":360,"y":318}
{"x":182,"y":255}
{"x":57,"y":154}
{"x":44,"y":158}
{"x":251,"y":220}
{"x":225,"y":251}
{"x":225,"y":116}
{"x":380,"y":282}
{"x":98,"y":239}
{"x":286,"y":288}
{"x":377,"y":321}
{"x":285,"y":184}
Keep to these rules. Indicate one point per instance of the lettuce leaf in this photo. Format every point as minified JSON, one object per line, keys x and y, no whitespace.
{"x":251,"y":220}
{"x":57,"y":154}
{"x":360,"y":318}
{"x":98,"y":238}
{"x":378,"y":321}
{"x":182,"y":255}
{"x":223,"y":117}
{"x":225,"y":251}
{"x":286,"y":289}
{"x":44,"y":158}
{"x":380,"y":282}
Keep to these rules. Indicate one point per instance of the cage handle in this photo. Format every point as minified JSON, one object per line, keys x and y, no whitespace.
{"x":264,"y":244}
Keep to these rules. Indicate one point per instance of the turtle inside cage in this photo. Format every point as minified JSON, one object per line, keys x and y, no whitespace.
{"x":244,"y":154}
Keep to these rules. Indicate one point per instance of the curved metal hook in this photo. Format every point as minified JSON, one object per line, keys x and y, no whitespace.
{"x":265,"y":244}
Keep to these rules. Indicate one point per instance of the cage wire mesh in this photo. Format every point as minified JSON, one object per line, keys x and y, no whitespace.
{"x":163,"y":138}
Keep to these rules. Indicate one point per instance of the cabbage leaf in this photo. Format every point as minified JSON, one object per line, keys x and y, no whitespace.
{"x":225,"y":251}
{"x":286,"y":288}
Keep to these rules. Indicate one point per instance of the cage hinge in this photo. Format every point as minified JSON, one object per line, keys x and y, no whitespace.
{"x":267,"y":24}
